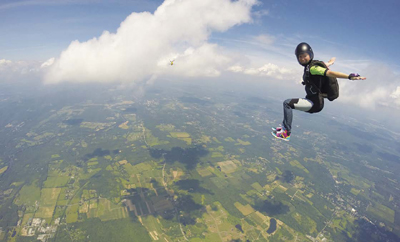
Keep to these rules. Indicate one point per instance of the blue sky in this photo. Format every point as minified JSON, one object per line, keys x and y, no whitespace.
{"x":38,"y":30}
{"x":255,"y":40}
{"x":41,"y":29}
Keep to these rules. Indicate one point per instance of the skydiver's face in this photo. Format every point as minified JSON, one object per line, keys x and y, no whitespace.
{"x":304,"y":58}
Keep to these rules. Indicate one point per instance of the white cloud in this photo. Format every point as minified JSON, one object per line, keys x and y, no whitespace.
{"x":21,"y":67}
{"x":381,"y":88}
{"x":265,"y":39}
{"x":270,"y":70}
{"x":396,"y":96}
{"x":261,"y":13}
{"x":47,"y":63}
{"x":18,"y":70}
{"x":144,"y":43}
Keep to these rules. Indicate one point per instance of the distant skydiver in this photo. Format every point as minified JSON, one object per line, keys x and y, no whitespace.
{"x":320,"y":82}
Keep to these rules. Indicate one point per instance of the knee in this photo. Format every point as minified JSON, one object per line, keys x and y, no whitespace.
{"x":290,"y":103}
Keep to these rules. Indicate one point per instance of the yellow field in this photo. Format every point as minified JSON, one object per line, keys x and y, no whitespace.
{"x":260,"y":219}
{"x":257,"y":186}
{"x":241,"y":142}
{"x":245,"y":210}
{"x":45,"y":212}
{"x":216,"y":140}
{"x":2,"y":170}
{"x":297,"y":164}
{"x":26,"y":217}
{"x":180,"y":135}
{"x":205,"y":139}
{"x":124,"y":125}
{"x":48,"y":196}
{"x":84,"y":208}
{"x":227,"y":166}
{"x":310,"y":195}
{"x":123,"y":162}
{"x":92,"y":163}
{"x":204,"y":171}
{"x":216,"y":154}
{"x":279,"y":188}
{"x":48,"y":200}
{"x":229,"y":139}
{"x":187,"y":140}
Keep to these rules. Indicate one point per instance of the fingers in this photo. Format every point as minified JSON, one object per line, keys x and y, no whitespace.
{"x":332,"y":60}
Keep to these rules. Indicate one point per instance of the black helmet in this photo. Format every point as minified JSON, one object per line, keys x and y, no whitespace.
{"x":304,"y":48}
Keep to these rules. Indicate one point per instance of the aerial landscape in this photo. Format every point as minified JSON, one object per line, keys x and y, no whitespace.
{"x":171,"y":165}
{"x":171,"y":120}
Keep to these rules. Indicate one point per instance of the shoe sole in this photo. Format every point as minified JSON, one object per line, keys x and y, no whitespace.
{"x":273,"y":134}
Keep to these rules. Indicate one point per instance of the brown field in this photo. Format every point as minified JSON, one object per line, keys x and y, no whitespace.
{"x":227,"y":166}
{"x":84,"y":208}
{"x":48,"y":200}
{"x":45,"y":212}
{"x":245,"y":210}
{"x":124,"y":125}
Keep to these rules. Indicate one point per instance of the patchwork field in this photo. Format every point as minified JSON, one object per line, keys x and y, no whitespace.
{"x":382,"y":212}
{"x":227,"y":166}
{"x":245,"y":210}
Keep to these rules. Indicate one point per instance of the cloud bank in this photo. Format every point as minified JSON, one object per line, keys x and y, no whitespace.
{"x":382,"y":88}
{"x":267,"y":70}
{"x":144,"y":44}
{"x":11,"y":71}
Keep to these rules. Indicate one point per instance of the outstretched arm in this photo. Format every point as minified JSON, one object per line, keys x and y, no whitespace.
{"x":330,"y":62}
{"x":343,"y":75}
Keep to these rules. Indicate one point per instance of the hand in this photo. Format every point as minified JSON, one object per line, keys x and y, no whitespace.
{"x":331,"y":61}
{"x":356,"y":76}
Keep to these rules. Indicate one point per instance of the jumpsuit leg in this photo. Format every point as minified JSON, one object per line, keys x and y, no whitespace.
{"x":301,"y":104}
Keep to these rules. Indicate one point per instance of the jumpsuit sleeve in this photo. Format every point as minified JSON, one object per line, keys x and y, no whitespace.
{"x":318,"y":71}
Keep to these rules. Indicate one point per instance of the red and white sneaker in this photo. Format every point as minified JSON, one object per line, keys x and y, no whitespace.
{"x":277,"y":129}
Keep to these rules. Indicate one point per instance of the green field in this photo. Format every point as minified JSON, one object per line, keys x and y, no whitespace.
{"x":56,"y":181}
{"x":72,"y":213}
{"x":382,"y":212}
{"x":28,"y":195}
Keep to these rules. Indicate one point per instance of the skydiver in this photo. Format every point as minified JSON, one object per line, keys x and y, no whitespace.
{"x":316,"y":77}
